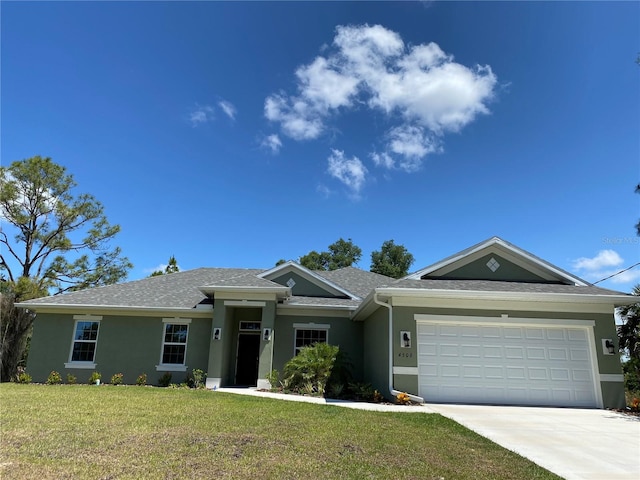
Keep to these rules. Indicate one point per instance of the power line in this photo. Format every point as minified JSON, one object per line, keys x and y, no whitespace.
{"x":621,"y":271}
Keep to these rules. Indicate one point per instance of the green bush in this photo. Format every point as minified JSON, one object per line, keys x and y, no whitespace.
{"x":165,"y":379}
{"x":71,"y":379}
{"x":23,"y":377}
{"x":141,"y":381}
{"x":54,"y":378}
{"x":196,"y":379}
{"x":116,"y":379}
{"x":315,"y":368}
{"x":94,"y":378}
{"x":362,"y":392}
{"x":273,"y":378}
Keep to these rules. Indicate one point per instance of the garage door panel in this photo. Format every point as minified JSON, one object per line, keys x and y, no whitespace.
{"x":505,"y":364}
{"x":516,"y":353}
{"x":556,"y":334}
{"x":512,"y":332}
{"x":577,"y":335}
{"x":534,"y":333}
{"x":536,"y":353}
{"x":557,"y":353}
{"x":579,"y":354}
{"x":490,"y":332}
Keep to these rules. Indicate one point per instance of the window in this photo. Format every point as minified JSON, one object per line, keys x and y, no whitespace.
{"x":174,"y":344}
{"x":307,"y":336}
{"x":85,"y":340}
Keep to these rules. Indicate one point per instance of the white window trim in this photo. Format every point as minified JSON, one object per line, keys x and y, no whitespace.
{"x":83,"y":365}
{"x":173,"y":367}
{"x":308,"y":326}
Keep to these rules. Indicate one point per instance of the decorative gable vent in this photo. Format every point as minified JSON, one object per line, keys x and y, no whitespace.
{"x":291,"y":282}
{"x":493,"y":264}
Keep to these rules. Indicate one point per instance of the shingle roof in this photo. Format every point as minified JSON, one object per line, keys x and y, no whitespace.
{"x":176,"y":290}
{"x":182,"y":289}
{"x":498,"y":286}
{"x":359,"y":282}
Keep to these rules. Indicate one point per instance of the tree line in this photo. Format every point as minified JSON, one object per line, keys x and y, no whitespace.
{"x":59,"y":241}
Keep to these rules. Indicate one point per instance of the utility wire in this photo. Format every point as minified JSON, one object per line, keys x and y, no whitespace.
{"x":621,"y":271}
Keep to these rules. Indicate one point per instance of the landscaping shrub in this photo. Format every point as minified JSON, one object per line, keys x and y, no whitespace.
{"x":23,"y":377}
{"x":94,"y":378}
{"x":362,"y":392}
{"x":116,"y":379}
{"x":71,"y":379}
{"x":273,"y":378}
{"x":165,"y":379}
{"x":141,"y":381}
{"x":54,"y":378}
{"x":315,"y":368}
{"x":403,"y":399}
{"x":197,"y":378}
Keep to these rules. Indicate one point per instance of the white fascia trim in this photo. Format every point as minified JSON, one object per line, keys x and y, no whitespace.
{"x":305,"y":311}
{"x":244,"y":303}
{"x":405,"y":370}
{"x":95,"y":318}
{"x":317,"y":307}
{"x":305,"y":272}
{"x":615,"y":300}
{"x":176,"y":320}
{"x":212,"y":289}
{"x":81,"y":365}
{"x":111,"y":309}
{"x":502,"y":320}
{"x":312,"y":326}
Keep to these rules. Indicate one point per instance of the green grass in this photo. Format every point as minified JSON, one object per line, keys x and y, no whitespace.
{"x":107,"y":432}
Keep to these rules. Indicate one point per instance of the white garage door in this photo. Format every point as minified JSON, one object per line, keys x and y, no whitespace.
{"x":505,"y":364}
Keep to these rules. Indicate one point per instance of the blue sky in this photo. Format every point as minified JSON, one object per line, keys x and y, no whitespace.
{"x":237,"y":134}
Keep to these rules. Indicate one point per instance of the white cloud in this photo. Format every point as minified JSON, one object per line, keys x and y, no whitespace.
{"x":272,"y":143}
{"x":201,"y":114}
{"x":383,"y":160}
{"x":604,"y":259}
{"x":228,"y":108}
{"x":296,"y":118}
{"x":350,"y":171}
{"x":413,"y":144}
{"x":603,"y":265}
{"x":422,"y":91}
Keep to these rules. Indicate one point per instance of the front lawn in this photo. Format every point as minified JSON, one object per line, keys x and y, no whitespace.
{"x":127,"y":432}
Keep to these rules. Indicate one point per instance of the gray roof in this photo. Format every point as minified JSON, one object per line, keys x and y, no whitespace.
{"x":355,"y":280}
{"x":176,"y":290}
{"x":182,"y":289}
{"x":498,"y":286}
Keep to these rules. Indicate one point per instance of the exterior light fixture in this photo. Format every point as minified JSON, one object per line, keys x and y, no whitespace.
{"x":610,"y":347}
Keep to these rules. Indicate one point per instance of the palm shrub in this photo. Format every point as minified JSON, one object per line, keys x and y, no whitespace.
{"x":315,"y":368}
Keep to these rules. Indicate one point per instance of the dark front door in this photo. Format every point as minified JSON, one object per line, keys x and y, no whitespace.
{"x":247,"y":360}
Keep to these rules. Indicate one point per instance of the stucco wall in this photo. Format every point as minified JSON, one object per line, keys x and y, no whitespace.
{"x":343,"y":332}
{"x":127,"y":345}
{"x":376,"y":350}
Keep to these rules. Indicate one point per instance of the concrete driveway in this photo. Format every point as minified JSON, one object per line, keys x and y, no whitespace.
{"x":573,"y":443}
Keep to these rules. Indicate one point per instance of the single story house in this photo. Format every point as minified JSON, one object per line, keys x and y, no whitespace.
{"x":491,"y":324}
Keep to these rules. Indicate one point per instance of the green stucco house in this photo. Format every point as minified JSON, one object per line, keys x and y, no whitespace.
{"x":492,"y":324}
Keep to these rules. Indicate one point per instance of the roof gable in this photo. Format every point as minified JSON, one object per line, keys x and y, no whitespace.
{"x":497,"y":259}
{"x":305,"y":282}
